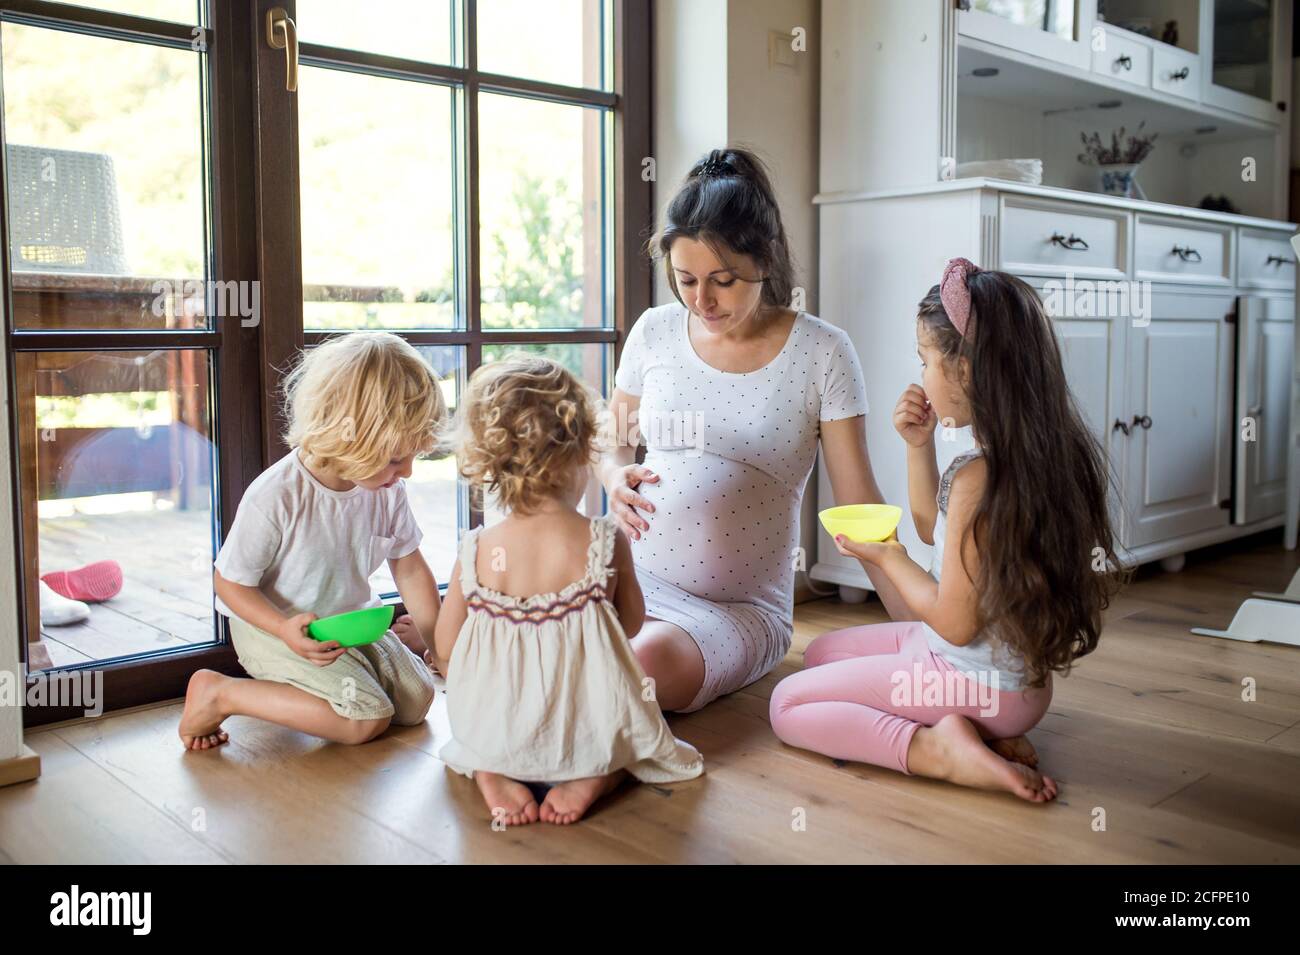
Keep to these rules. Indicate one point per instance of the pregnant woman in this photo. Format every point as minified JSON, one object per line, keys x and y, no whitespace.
{"x":731,"y":391}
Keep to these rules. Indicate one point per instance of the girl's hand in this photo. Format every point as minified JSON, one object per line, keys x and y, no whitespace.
{"x":872,"y":552}
{"x":914,"y":418}
{"x":294,"y":634}
{"x":624,"y":500}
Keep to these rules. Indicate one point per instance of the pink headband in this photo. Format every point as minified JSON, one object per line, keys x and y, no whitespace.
{"x":955,"y":293}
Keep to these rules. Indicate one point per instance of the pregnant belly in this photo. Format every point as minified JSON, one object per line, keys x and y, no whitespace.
{"x":721,"y":529}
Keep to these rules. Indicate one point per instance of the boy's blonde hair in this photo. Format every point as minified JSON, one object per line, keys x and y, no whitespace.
{"x":359,"y":400}
{"x":524,"y":427}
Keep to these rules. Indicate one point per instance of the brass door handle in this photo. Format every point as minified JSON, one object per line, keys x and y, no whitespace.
{"x":282,"y":34}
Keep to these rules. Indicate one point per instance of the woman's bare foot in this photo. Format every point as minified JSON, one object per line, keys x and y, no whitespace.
{"x":566,"y":803}
{"x":201,"y":719}
{"x":409,"y":634}
{"x":506,"y":799}
{"x":1016,"y":749}
{"x":952,"y":750}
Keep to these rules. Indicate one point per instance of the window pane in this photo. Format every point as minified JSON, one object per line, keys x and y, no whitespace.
{"x":592,"y":364}
{"x":116,"y":463}
{"x":378,"y":246}
{"x":411,"y":29}
{"x":543,"y":214}
{"x":106,"y":185}
{"x":179,"y":11}
{"x":559,"y":41}
{"x":433,"y":488}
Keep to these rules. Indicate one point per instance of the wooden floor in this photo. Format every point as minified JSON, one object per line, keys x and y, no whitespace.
{"x":1151,"y":729}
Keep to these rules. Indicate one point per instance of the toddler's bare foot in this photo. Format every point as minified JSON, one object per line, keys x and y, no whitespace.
{"x":506,"y":799}
{"x":952,"y":750}
{"x":409,"y":634}
{"x":201,"y":719}
{"x":1016,"y":749}
{"x":566,"y":803}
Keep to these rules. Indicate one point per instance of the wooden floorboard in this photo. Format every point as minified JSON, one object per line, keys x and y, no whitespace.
{"x":1151,"y":735}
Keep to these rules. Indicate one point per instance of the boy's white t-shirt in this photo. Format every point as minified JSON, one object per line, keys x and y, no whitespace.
{"x":310,"y":549}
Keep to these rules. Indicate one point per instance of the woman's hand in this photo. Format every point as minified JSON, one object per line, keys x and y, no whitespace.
{"x":914,"y":418}
{"x":878,"y":553}
{"x":624,"y":501}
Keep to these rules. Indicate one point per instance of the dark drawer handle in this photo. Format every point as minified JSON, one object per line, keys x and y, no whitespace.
{"x":1180,"y":74}
{"x":1187,"y":254}
{"x":1072,"y":242}
{"x":1143,"y":420}
{"x":1125,"y":61}
{"x":1120,"y":426}
{"x":1278,"y":260}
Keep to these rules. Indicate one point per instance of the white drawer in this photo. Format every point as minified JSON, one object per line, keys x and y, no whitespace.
{"x":1123,"y":59}
{"x":1265,"y":260}
{"x":1041,"y":237}
{"x":1176,"y":71}
{"x":1166,"y":250}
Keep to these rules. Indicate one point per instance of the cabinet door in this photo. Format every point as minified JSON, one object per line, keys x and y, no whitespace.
{"x":1179,"y":412}
{"x":1265,"y":366}
{"x":1092,"y":351}
{"x":1248,"y":45}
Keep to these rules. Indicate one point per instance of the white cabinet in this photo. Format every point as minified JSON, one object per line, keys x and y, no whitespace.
{"x":1246,"y":48}
{"x":1160,"y":357}
{"x":1179,"y":415}
{"x":1059,"y":32}
{"x":1092,"y":352}
{"x":1265,"y":346}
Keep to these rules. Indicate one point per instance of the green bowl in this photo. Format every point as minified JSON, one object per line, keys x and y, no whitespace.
{"x":353,"y":629}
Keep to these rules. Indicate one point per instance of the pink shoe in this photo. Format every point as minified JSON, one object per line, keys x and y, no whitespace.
{"x":93,"y":583}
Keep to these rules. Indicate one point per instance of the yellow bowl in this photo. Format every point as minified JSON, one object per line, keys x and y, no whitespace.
{"x":861,"y":523}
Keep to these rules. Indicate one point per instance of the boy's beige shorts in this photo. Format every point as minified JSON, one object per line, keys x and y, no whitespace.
{"x":365,"y":683}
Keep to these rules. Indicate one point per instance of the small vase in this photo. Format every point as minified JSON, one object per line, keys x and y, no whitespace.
{"x":1120,"y":180}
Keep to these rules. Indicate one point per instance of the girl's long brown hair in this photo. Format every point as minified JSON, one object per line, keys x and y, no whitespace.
{"x":1047,"y":560}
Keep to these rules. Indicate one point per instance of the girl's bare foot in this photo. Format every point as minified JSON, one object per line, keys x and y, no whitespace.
{"x":566,"y":803}
{"x":201,"y":719}
{"x":409,"y":634}
{"x":952,"y":750}
{"x":506,"y":799}
{"x":1016,"y":749}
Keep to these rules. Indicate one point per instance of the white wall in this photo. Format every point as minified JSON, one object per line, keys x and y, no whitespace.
{"x":716,"y":84}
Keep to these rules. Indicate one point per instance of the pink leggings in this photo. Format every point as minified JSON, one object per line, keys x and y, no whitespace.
{"x":864,"y":691}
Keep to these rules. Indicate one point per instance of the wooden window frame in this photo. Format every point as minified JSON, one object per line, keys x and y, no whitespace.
{"x":250,"y":159}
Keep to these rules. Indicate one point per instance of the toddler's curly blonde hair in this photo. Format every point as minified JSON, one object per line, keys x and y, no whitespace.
{"x":360,"y":400}
{"x":525,"y":426}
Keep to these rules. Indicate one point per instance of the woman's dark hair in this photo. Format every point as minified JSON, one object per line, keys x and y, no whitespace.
{"x":1047,"y":560}
{"x":727,"y":202}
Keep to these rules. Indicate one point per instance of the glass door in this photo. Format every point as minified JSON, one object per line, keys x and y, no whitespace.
{"x":457,"y":168}
{"x":180,"y":224}
{"x":126,"y":318}
{"x":1248,"y":41}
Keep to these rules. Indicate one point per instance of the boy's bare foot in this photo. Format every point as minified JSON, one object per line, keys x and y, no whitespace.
{"x":201,"y":719}
{"x":1015,"y":749}
{"x":566,"y":803}
{"x":952,"y":750}
{"x":409,"y":634}
{"x":506,"y":799}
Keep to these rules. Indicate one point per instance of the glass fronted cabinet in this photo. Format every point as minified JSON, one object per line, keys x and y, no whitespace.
{"x":1056,"y":30}
{"x":1247,"y":43}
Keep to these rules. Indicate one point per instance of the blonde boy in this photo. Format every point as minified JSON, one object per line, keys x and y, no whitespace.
{"x":309,"y":532}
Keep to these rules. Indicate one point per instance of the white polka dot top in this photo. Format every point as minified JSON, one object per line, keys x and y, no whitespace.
{"x":733,"y":452}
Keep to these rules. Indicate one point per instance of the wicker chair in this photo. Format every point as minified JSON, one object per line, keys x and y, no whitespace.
{"x":63,"y":212}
